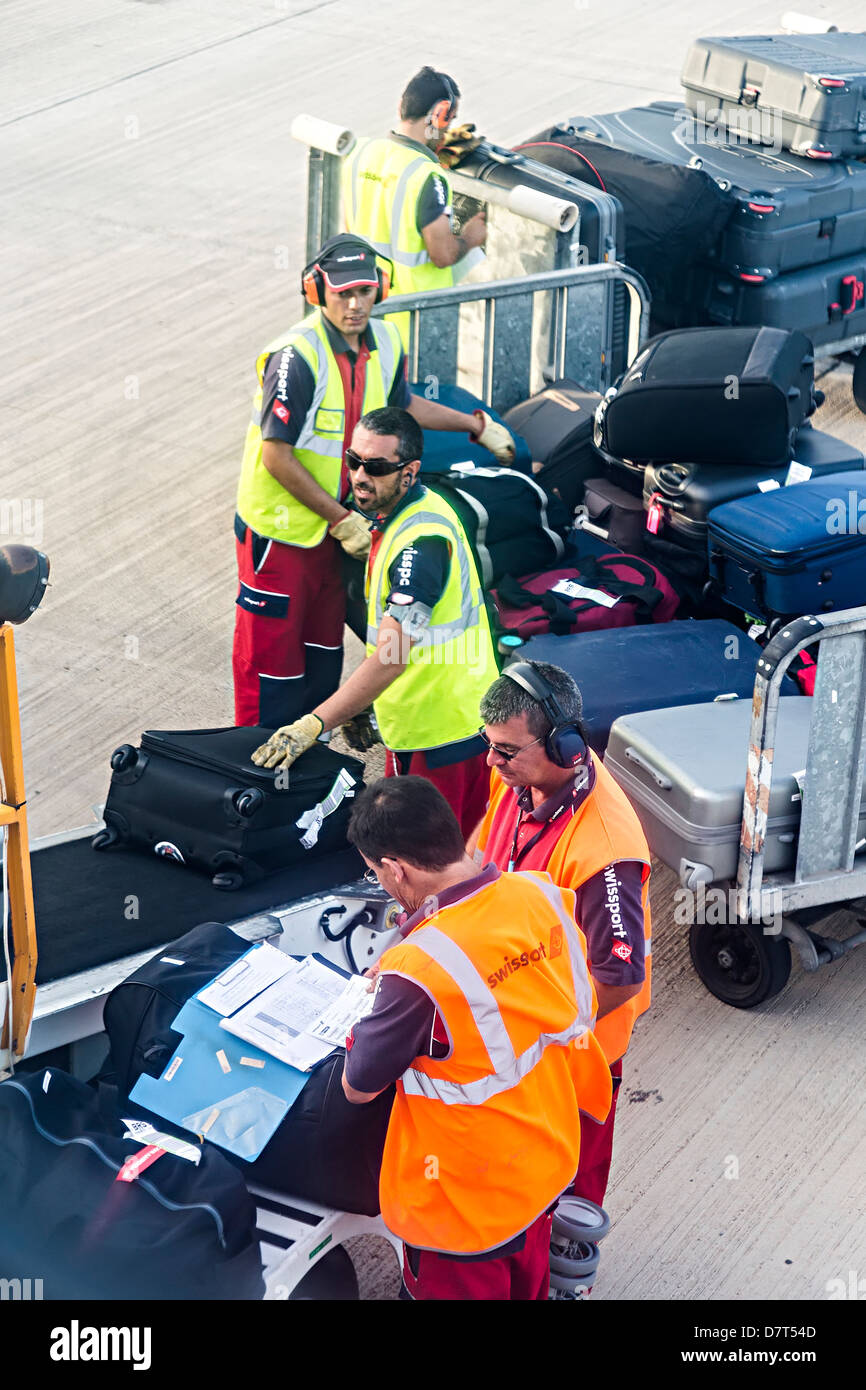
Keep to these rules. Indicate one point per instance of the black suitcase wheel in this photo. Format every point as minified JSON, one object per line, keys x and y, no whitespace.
{"x":123,"y":758}
{"x":332,"y":1278}
{"x":247,"y":802}
{"x":104,"y":839}
{"x":228,"y":880}
{"x":738,"y":963}
{"x":859,"y":382}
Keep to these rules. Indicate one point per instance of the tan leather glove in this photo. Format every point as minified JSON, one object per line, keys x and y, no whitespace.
{"x":493,"y":437}
{"x":353,"y":533}
{"x":457,"y":142}
{"x":360,"y":733}
{"x":286,"y":745}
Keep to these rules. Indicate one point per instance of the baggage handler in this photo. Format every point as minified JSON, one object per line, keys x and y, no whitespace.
{"x":430,"y":654}
{"x":293,"y":514}
{"x":397,"y":195}
{"x":483,"y":1016}
{"x":553,"y":806}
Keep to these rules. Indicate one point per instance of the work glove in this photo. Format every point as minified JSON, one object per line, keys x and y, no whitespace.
{"x":360,"y":732}
{"x":457,"y":142}
{"x":353,"y":533}
{"x":493,"y":437}
{"x":286,"y":745}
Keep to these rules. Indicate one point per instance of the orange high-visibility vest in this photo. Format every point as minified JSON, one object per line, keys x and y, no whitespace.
{"x":603,"y":829}
{"x":481,"y":1143}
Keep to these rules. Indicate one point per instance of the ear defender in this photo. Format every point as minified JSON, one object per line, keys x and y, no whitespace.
{"x":313,"y":284}
{"x":564,"y":745}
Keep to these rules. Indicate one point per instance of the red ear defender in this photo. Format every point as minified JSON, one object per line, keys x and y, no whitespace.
{"x":312,"y":285}
{"x":440,"y":115}
{"x":384,"y":285}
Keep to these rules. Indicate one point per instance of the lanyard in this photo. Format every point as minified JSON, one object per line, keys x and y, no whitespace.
{"x":515,"y":857}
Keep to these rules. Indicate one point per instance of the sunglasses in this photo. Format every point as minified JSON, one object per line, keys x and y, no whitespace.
{"x":501,"y":753}
{"x":376,"y":468}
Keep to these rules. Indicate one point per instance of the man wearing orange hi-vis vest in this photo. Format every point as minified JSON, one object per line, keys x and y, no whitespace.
{"x":483,"y":1016}
{"x":554,"y":807}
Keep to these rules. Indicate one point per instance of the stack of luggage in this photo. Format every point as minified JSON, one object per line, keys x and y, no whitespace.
{"x":746,"y":204}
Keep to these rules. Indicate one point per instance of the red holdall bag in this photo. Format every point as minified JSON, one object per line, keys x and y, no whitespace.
{"x":579,"y":600}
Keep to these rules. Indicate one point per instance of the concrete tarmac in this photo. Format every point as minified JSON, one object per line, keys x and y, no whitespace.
{"x":154,"y":233}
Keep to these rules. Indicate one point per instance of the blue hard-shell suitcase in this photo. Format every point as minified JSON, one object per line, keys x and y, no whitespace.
{"x":444,"y":448}
{"x":793,"y":551}
{"x":631,"y":669}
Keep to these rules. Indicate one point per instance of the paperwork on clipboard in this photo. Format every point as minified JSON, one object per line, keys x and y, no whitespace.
{"x":302,"y":1016}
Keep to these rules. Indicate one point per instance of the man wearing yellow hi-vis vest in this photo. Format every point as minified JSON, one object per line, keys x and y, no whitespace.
{"x":430,"y":654}
{"x":397,"y":196}
{"x":294,"y":508}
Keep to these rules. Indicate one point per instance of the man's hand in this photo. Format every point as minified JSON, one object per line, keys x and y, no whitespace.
{"x":360,"y":732}
{"x":457,"y":143}
{"x":474,"y":231}
{"x":286,"y":745}
{"x":353,"y":533}
{"x":493,"y":437}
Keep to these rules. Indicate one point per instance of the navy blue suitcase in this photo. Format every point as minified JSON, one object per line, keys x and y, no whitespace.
{"x":794,"y":551}
{"x":444,"y":448}
{"x":628,"y":670}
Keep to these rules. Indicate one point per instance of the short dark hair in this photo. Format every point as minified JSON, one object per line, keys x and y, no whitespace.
{"x":390,"y":419}
{"x":426,"y":88}
{"x":406,"y":818}
{"x":506,"y":699}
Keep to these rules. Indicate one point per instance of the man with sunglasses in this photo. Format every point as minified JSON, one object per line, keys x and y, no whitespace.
{"x":576,"y":823}
{"x":430,"y":653}
{"x":293,"y":514}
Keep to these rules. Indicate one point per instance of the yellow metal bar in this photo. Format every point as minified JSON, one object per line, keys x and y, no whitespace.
{"x":20,"y":884}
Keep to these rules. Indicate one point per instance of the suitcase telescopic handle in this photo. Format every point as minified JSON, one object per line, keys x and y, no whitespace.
{"x":634,"y":756}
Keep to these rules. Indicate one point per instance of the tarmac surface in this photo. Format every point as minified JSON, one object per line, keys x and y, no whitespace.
{"x":154,"y":232}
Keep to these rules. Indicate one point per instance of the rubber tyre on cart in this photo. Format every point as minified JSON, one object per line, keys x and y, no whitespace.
{"x":332,"y":1278}
{"x":738,"y":963}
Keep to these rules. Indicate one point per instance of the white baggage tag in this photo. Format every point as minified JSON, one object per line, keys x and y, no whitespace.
{"x":797,"y":473}
{"x":572,"y":590}
{"x":311,"y":821}
{"x":768,"y":485}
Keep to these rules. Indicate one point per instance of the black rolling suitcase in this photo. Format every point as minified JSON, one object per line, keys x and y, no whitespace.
{"x":557,"y":426}
{"x":627,"y":669}
{"x":678,"y":497}
{"x":804,"y":93}
{"x":795,"y":551}
{"x":194,"y":796}
{"x":704,"y":396}
{"x":824,"y":301}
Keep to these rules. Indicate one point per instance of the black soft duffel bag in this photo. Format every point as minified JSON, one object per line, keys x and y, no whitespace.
{"x":180,"y":1230}
{"x":326,"y":1149}
{"x":194,"y":795}
{"x":512,"y":523}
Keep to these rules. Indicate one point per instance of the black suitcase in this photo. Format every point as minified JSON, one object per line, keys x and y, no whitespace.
{"x":557,"y":426}
{"x":193,"y":795}
{"x":513,"y":524}
{"x":703,"y":396}
{"x":824,"y":301}
{"x":789,"y":553}
{"x":798,"y":92}
{"x":691,"y":196}
{"x":628,"y":669}
{"x":684,"y":494}
{"x":181,"y":1230}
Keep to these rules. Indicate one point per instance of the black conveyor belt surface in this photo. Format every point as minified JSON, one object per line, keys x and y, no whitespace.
{"x":84,"y":898}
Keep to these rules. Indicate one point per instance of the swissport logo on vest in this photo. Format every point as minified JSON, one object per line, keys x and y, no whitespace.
{"x":512,"y":963}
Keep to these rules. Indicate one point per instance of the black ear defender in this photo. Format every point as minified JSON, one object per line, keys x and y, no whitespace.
{"x":564,"y":745}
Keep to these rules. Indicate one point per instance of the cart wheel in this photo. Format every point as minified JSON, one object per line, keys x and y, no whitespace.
{"x":859,"y":383}
{"x":227,"y":880}
{"x":333,"y":1279}
{"x":738,"y":963}
{"x":123,"y":758}
{"x":103,"y":839}
{"x":247,"y":802}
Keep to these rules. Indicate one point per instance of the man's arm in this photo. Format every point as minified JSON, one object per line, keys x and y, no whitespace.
{"x":611,"y":996}
{"x":358,"y":1097}
{"x":609,"y":911}
{"x":380,"y":1047}
{"x":433,"y":416}
{"x":282,"y":463}
{"x":374,"y":675}
{"x":444,"y":248}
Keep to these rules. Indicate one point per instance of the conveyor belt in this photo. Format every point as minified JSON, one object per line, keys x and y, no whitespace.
{"x":96,"y":907}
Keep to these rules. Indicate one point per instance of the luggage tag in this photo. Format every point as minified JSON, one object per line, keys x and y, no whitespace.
{"x":137,"y":1163}
{"x":654,"y":513}
{"x":797,"y":473}
{"x":311,"y":821}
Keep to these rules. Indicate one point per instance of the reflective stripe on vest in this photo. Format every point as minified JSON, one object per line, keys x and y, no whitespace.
{"x":508,"y":1068}
{"x":266,"y":506}
{"x":438,"y":632}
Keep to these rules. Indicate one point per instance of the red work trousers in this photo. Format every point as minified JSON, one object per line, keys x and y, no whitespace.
{"x":465,"y":785}
{"x":596,"y":1149}
{"x":524,"y":1276}
{"x":288,"y":643}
